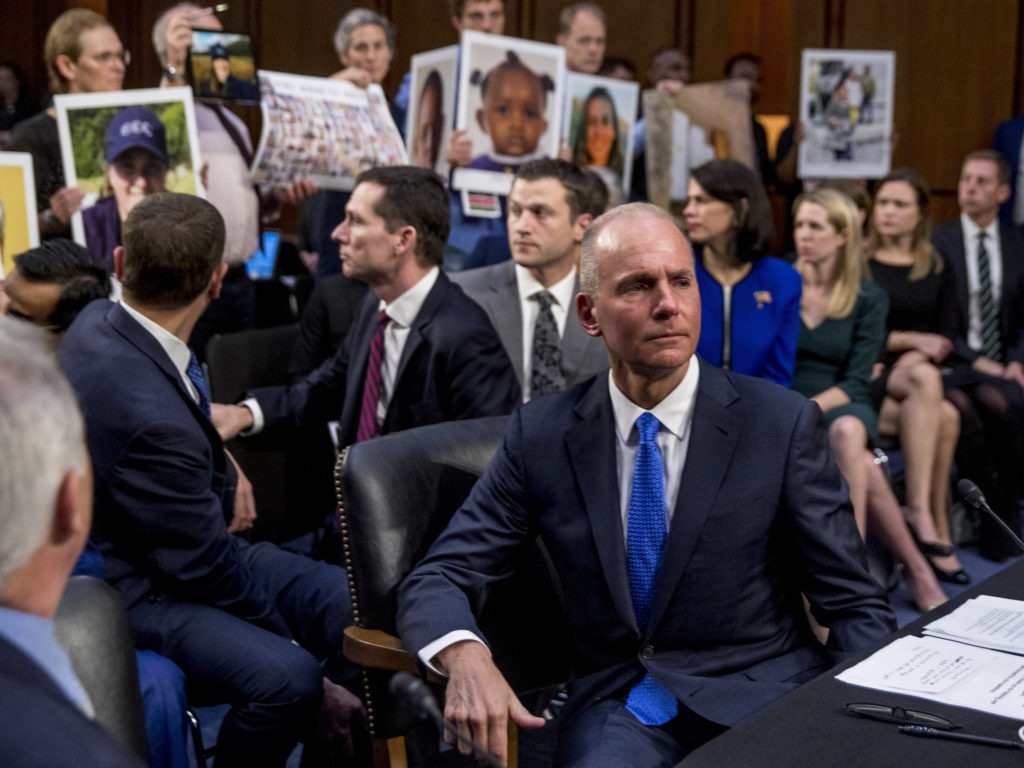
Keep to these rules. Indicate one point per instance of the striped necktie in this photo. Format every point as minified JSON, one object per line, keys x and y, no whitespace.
{"x":371,"y":385}
{"x":991,"y":343}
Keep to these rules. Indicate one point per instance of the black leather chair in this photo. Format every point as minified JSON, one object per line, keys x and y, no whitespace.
{"x":92,"y":627}
{"x":396,"y":493}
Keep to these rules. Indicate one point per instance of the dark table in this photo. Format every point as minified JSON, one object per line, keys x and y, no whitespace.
{"x":808,"y":727}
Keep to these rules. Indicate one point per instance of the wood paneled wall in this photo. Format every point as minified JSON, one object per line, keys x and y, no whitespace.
{"x":958,"y":62}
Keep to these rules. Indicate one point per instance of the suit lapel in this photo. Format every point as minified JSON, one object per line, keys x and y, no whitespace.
{"x":591,"y":446}
{"x":141,"y":339}
{"x":958,"y":260}
{"x":360,"y":336}
{"x":714,"y":434}
{"x":503,"y":298}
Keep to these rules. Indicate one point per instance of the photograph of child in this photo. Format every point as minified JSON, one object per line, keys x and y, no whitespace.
{"x":221,"y":66}
{"x":846,"y":106}
{"x":432,"y":107}
{"x":600,"y":115}
{"x":119,"y":147}
{"x":508,"y":107}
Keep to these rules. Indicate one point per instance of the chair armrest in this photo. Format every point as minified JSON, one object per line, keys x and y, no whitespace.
{"x":378,"y":650}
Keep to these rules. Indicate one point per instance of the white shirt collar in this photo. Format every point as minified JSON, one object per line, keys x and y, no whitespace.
{"x":563,"y":292}
{"x":675,"y":411}
{"x":175,"y":348}
{"x":404,"y":309}
{"x":971,"y":229}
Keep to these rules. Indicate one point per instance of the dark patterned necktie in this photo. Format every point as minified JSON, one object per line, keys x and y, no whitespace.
{"x":546,"y":375}
{"x":648,"y":701}
{"x":371,"y":385}
{"x":991,"y":345}
{"x":195,"y":375}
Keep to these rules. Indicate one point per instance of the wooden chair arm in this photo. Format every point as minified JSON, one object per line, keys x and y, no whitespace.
{"x":378,"y":650}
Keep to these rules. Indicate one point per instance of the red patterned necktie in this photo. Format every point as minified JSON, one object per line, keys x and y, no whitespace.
{"x":371,"y":386}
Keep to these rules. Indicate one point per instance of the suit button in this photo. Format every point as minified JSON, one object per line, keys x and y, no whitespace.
{"x":647,"y":653}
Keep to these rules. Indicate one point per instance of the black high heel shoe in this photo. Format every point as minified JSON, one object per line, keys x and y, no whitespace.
{"x":930,"y":549}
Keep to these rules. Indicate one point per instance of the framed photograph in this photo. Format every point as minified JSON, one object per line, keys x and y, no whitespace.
{"x":220,"y":66}
{"x":432,"y":107}
{"x":599,"y":114}
{"x":846,"y":106}
{"x":118,"y":147}
{"x":325,"y":130}
{"x":509,"y":106}
{"x":20,"y":228}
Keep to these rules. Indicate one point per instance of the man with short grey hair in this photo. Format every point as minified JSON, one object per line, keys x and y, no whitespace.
{"x":583,"y":32}
{"x":45,"y":516}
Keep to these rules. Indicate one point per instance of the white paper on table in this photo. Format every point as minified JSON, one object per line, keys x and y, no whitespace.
{"x":986,"y":621}
{"x":946,"y":671}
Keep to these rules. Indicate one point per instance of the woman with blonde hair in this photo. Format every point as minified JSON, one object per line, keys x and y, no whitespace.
{"x":842,"y":330}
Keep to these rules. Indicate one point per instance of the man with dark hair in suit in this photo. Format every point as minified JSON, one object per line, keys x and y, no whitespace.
{"x":987,"y":261}
{"x":246,"y":623}
{"x":687,"y":511}
{"x":530,"y":299}
{"x":420,"y":352}
{"x":46,"y":484}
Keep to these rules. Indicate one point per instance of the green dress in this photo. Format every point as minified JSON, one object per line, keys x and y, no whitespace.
{"x":841,"y":352}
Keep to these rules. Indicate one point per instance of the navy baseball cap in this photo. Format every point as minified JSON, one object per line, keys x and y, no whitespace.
{"x":218,"y":51}
{"x":136,"y":127}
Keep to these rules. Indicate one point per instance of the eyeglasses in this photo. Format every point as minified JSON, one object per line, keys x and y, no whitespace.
{"x":124,"y":56}
{"x":892,"y":714}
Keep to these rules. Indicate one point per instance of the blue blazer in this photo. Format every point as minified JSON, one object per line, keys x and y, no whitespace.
{"x":164,"y":487}
{"x":764,"y":321}
{"x":763,"y":516}
{"x":42,"y":728}
{"x":452,"y":367}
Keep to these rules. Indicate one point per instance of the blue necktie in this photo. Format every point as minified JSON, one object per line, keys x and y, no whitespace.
{"x":648,"y":701}
{"x":195,"y":375}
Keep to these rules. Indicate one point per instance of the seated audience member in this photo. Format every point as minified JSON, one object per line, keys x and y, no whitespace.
{"x":750,"y":302}
{"x":137,"y":160}
{"x":83,"y":54}
{"x":987,"y":262}
{"x":420,"y":352}
{"x":46,"y":485}
{"x":653,"y":531}
{"x":529,"y":300}
{"x":842,"y":331}
{"x":51,"y":284}
{"x":246,"y":623}
{"x":908,"y":392}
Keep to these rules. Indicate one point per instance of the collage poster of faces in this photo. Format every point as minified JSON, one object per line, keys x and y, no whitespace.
{"x":120,"y":146}
{"x":328,"y":131}
{"x":431,"y":108}
{"x":508,"y":106}
{"x":846,"y":106}
{"x":598,"y":126}
{"x":19,"y":229}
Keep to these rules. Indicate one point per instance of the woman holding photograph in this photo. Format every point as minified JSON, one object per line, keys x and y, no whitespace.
{"x":842,"y":330}
{"x":137,"y":160}
{"x":750,"y":302}
{"x":598,"y":141}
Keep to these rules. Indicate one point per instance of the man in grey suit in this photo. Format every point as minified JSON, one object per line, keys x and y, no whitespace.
{"x":530,"y":299}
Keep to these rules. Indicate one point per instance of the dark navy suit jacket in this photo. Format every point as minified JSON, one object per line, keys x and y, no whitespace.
{"x":949,"y":240}
{"x":43,"y":728}
{"x":452,"y":367}
{"x":763,"y":515}
{"x":165,"y":488}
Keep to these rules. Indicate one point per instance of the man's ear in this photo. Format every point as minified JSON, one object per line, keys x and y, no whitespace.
{"x":583,"y":221}
{"x":1003,"y":193}
{"x":216,"y":281}
{"x":72,"y":515}
{"x":118,"y":261}
{"x":407,"y":237}
{"x":587,"y":315}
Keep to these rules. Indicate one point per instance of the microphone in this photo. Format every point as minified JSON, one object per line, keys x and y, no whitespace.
{"x":972,"y":495}
{"x":411,"y":689}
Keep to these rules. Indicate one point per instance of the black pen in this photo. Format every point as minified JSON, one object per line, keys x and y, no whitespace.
{"x":970,"y":738}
